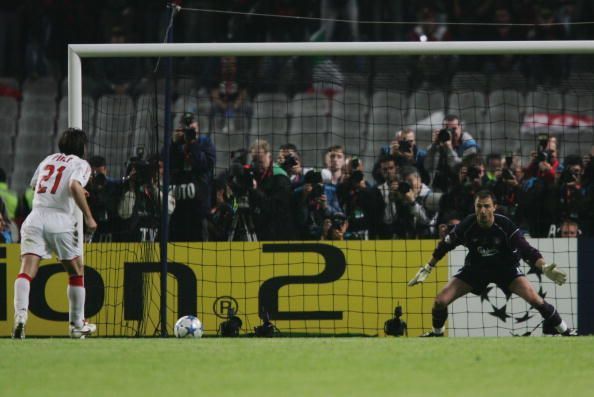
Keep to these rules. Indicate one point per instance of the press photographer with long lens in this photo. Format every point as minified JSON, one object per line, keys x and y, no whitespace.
{"x":450,"y":145}
{"x":192,"y":157}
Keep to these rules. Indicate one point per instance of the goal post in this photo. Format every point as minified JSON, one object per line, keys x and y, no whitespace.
{"x":301,"y":300}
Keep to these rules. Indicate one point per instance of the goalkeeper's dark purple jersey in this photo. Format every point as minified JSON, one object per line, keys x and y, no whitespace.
{"x":500,"y":245}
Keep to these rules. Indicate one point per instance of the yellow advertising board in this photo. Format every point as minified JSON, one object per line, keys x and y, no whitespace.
{"x":309,"y":288}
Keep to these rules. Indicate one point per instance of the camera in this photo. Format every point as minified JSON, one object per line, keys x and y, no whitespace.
{"x":445,"y":134}
{"x":356,"y":178}
{"x":289,"y":162}
{"x":404,"y":187}
{"x":543,"y":141}
{"x":188,"y":130}
{"x":507,"y":174}
{"x":395,"y":326}
{"x":473,"y":173}
{"x":544,"y":155}
{"x":355,"y":163}
{"x":231,"y":326}
{"x":404,"y":146}
{"x":338,"y":221}
{"x":242,"y":178}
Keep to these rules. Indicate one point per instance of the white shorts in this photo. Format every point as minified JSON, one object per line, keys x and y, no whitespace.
{"x":45,"y":233}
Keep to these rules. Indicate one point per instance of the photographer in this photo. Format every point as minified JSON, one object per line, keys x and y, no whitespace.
{"x":192,"y":157}
{"x":501,"y":179}
{"x":460,"y":198}
{"x":335,"y":228}
{"x":572,"y":191}
{"x":356,"y":198}
{"x":449,"y":147}
{"x":417,"y":212}
{"x":405,"y":151}
{"x":540,"y":200}
{"x":270,"y":196}
{"x":140,"y":203}
{"x":289,"y":159}
{"x":311,"y":207}
{"x":103,"y":199}
{"x":385,"y":198}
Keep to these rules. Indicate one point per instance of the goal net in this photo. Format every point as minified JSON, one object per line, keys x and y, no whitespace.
{"x":370,"y":122}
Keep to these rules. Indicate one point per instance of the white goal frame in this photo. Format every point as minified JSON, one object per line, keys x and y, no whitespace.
{"x":78,"y":51}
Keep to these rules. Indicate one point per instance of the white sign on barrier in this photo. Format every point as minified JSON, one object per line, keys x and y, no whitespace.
{"x":494,"y":315}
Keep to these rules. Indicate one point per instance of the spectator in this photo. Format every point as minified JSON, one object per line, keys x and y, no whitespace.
{"x":5,"y":233}
{"x":193,"y":157}
{"x":504,"y":31}
{"x":120,"y":76}
{"x":9,"y":197}
{"x":569,"y":228}
{"x":458,"y":201}
{"x":331,"y":10}
{"x":449,"y":147}
{"x":335,"y":159}
{"x":270,"y":197}
{"x":228,"y":92}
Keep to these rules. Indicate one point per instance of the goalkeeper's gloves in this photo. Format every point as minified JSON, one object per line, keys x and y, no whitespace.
{"x":421,"y":275}
{"x":557,"y":276}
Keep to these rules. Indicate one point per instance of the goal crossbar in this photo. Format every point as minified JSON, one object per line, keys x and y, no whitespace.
{"x":78,"y":51}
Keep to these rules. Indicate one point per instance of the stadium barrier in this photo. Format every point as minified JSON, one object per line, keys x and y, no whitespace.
{"x":306,"y":288}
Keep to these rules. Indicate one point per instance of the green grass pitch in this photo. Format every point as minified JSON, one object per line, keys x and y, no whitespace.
{"x":502,"y":367}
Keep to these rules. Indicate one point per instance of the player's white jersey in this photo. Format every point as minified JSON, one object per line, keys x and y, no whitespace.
{"x":51,"y":182}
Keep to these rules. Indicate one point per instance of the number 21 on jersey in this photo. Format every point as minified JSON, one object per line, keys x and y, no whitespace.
{"x":50,"y":171}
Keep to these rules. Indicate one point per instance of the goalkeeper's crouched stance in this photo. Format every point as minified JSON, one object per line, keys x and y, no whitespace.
{"x":495,"y":246}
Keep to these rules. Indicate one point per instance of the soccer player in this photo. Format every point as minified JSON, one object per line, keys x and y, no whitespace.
{"x":55,"y":225}
{"x":495,"y":246}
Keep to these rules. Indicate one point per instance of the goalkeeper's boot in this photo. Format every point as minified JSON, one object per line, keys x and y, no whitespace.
{"x":570,"y":332}
{"x":81,"y":332}
{"x":18,"y":332}
{"x":432,"y":334}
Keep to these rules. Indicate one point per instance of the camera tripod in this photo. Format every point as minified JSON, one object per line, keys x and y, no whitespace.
{"x":242,"y":222}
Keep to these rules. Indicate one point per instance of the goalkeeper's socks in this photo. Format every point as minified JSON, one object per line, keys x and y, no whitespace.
{"x":439,"y":315}
{"x":76,"y":300}
{"x":562,"y":327}
{"x":22,"y":286}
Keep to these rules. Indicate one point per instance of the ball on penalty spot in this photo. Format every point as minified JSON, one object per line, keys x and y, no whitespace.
{"x":188,"y":327}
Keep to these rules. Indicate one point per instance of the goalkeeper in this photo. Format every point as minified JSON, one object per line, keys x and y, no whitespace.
{"x":495,"y":246}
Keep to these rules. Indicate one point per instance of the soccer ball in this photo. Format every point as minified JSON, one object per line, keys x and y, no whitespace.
{"x":188,"y":327}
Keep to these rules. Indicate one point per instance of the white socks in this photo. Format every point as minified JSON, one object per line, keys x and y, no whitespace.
{"x":22,"y":286}
{"x":76,"y":301}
